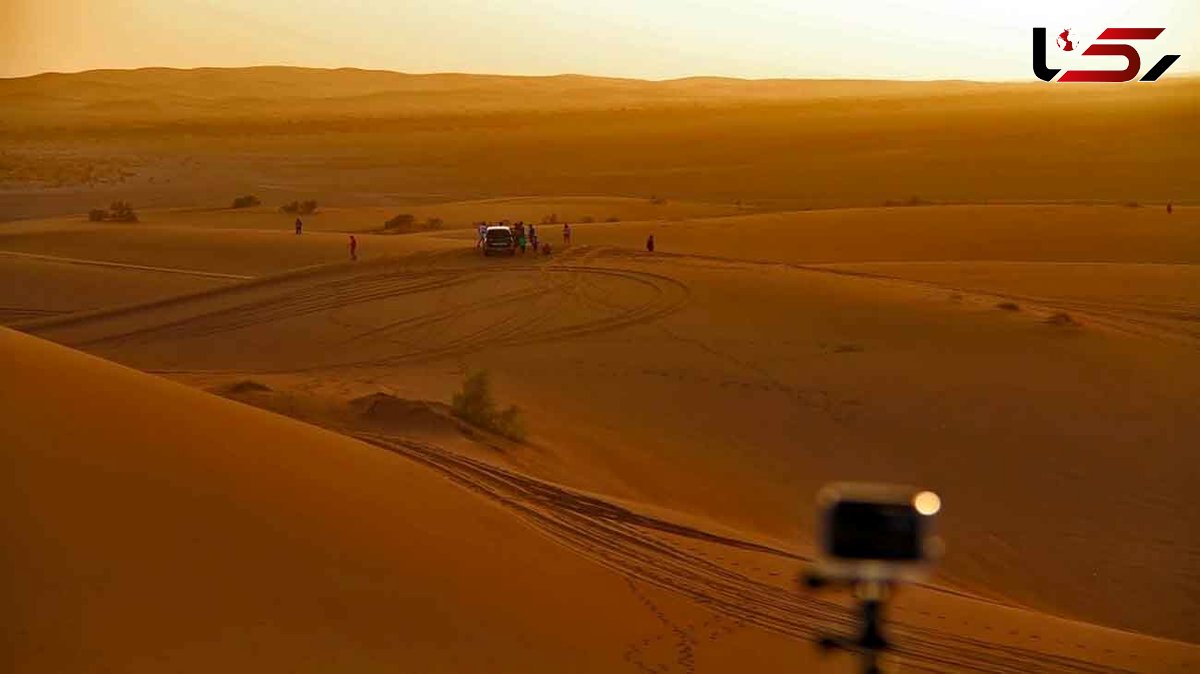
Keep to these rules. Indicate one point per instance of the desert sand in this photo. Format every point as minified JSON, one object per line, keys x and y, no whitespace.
{"x":1030,"y":353}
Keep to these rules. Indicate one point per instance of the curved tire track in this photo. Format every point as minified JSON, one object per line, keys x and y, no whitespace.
{"x":616,"y":537}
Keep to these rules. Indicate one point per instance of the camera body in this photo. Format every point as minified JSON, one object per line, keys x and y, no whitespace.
{"x":876,"y":532}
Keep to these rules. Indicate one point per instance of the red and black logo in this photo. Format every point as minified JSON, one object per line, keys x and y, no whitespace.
{"x":1103,"y":47}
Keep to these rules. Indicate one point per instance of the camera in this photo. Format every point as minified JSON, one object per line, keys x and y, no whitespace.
{"x":876,"y":532}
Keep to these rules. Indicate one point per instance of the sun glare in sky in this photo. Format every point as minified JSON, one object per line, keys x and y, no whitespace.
{"x":920,"y":39}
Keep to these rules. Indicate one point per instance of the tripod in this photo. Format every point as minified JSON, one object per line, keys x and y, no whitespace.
{"x":869,"y":643}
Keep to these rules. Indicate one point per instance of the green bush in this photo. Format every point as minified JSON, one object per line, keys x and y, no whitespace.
{"x":474,"y":404}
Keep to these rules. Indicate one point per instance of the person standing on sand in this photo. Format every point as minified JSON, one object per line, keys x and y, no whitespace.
{"x":533,"y":236}
{"x":1170,"y":208}
{"x":650,"y":244}
{"x":566,"y":234}
{"x":521,"y":240}
{"x":299,"y":226}
{"x":482,"y":235}
{"x":353,"y":248}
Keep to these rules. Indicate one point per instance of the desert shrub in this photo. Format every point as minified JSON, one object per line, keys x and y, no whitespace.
{"x":434,"y":223}
{"x":474,"y":404}
{"x":300,"y":207}
{"x":1009,"y":306}
{"x":1062,"y":319}
{"x":245,"y":201}
{"x":612,"y":218}
{"x":551,"y":219}
{"x":248,"y":386}
{"x":587,"y":218}
{"x":911,"y":201}
{"x":1132,"y":204}
{"x":97,"y":215}
{"x":403,"y":221}
{"x":657,"y":200}
{"x":122,"y":211}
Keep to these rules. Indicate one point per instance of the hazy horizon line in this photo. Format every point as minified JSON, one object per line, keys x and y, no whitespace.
{"x":450,"y":73}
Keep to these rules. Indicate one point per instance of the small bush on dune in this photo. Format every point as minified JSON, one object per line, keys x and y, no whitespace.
{"x":300,"y":207}
{"x":612,"y":218}
{"x":119,"y":211}
{"x":407,"y":222}
{"x":246,"y":201}
{"x":1062,"y":319}
{"x":1009,"y":306}
{"x":586,"y":219}
{"x":911,"y":201}
{"x":248,"y":386}
{"x":474,"y":404}
{"x":122,"y":211}
{"x":551,"y":219}
{"x":402,"y":222}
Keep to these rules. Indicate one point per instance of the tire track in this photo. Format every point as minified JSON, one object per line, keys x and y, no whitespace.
{"x":294,"y":303}
{"x":1130,"y":318}
{"x":513,"y":327}
{"x":617,"y":537}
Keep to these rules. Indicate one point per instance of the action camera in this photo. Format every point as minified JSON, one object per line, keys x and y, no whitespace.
{"x":876,"y":532}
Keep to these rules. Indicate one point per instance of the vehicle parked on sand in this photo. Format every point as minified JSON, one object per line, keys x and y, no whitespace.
{"x":499,"y":240}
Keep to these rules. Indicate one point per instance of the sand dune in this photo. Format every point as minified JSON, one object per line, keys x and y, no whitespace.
{"x":204,"y":137}
{"x":971,"y":287}
{"x":252,"y":541}
{"x":772,"y":378}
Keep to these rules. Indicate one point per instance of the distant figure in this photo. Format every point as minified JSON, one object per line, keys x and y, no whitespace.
{"x":299,"y":226}
{"x":1170,"y":208}
{"x":566,"y":234}
{"x":482,"y":235}
{"x":650,"y":244}
{"x":533,"y":236}
{"x":353,"y":248}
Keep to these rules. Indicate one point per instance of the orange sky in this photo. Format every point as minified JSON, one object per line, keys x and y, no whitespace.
{"x":925,"y":39}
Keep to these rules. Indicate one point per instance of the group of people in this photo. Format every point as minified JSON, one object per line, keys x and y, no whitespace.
{"x":524,"y":236}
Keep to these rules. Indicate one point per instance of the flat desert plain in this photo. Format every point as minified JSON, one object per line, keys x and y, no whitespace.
{"x":231,"y":446}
